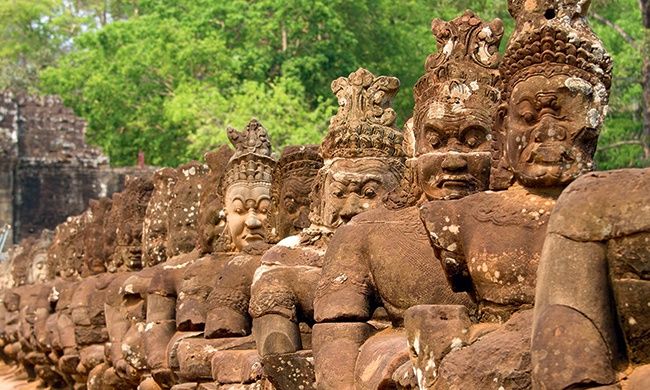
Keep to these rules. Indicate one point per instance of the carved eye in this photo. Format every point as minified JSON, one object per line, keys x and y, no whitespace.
{"x":290,"y":204}
{"x":434,"y":140}
{"x":239,"y":210}
{"x":472,"y":141}
{"x":369,"y":193}
{"x":528,"y":116}
{"x":337,"y":193}
{"x":474,"y":136}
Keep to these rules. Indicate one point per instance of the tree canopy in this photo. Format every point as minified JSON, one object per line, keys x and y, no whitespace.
{"x":167,"y":76}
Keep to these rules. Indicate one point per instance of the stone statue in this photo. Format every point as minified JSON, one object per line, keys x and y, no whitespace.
{"x":590,"y":323}
{"x":124,"y":224}
{"x":556,"y":77}
{"x":96,"y":221}
{"x":154,"y":227}
{"x":191,"y":296}
{"x":127,"y":214}
{"x":365,"y":264}
{"x":177,"y":191}
{"x":364,"y":161}
{"x":292,"y":181}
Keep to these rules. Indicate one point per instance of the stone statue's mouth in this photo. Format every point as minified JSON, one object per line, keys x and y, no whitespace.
{"x":551,"y":153}
{"x":456,"y":182}
{"x":254,"y":237}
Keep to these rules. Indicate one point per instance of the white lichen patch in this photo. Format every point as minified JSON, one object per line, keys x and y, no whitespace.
{"x":178,"y":266}
{"x":341,"y":279}
{"x":579,"y":85}
{"x":290,"y":242}
{"x":449,"y":47}
{"x":456,"y":344}
{"x":261,"y":270}
{"x":594,"y":118}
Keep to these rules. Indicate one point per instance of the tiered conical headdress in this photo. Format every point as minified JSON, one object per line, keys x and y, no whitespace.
{"x":364,"y":123}
{"x":553,"y":37}
{"x":252,"y":161}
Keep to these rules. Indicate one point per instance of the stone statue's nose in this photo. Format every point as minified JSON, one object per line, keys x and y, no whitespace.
{"x":303,"y":219}
{"x":253,"y":221}
{"x":351,"y":208}
{"x":454,"y":162}
{"x":549,"y":130}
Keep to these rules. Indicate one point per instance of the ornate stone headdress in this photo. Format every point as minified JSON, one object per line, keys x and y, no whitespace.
{"x":463,"y":72}
{"x":252,"y":161}
{"x":364,"y":123}
{"x":553,"y":37}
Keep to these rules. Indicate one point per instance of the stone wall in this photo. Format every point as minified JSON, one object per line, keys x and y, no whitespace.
{"x":47,"y":171}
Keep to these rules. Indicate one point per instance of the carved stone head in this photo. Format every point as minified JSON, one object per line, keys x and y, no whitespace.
{"x":364,"y":159}
{"x":183,"y":212}
{"x":557,"y":76}
{"x":455,"y":102}
{"x":211,"y":219}
{"x":292,"y":182}
{"x":65,"y":255}
{"x":38,"y":271}
{"x":154,"y":226}
{"x":126,"y":217}
{"x":96,"y":219}
{"x":246,"y":187}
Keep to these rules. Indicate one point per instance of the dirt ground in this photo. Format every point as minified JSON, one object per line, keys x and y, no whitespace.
{"x":11,"y":378}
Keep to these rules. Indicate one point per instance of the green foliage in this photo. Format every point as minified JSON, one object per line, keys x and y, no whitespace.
{"x":167,"y":76}
{"x":280,"y":107}
{"x":624,"y":123}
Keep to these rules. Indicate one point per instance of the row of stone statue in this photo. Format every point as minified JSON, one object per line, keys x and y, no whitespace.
{"x":472,"y":249}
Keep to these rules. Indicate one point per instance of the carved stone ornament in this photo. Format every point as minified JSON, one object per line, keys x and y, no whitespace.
{"x":364,"y":123}
{"x":252,"y":161}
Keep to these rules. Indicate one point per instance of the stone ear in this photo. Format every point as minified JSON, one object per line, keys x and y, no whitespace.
{"x":501,"y":176}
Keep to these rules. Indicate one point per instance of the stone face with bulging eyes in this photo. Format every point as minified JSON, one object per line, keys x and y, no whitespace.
{"x":552,"y":127}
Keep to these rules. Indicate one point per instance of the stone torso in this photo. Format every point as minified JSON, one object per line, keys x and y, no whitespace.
{"x":490,"y":244}
{"x":403,"y":265}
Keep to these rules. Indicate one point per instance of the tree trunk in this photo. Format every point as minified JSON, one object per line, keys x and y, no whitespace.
{"x":645,"y":136}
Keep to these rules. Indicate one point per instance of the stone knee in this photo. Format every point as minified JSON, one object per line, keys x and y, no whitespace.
{"x":584,"y":356}
{"x":336,"y":348}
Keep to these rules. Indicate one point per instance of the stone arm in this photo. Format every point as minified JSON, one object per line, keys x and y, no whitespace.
{"x":573,"y":316}
{"x":442,"y":222}
{"x":229,"y":300}
{"x":115,"y":321}
{"x":161,"y":317}
{"x":345,"y":290}
{"x":591,"y":284}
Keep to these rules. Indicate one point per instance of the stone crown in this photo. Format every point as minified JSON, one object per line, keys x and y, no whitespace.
{"x":364,"y":125}
{"x":252,"y":161}
{"x":552,"y":37}
{"x":467,"y":53}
